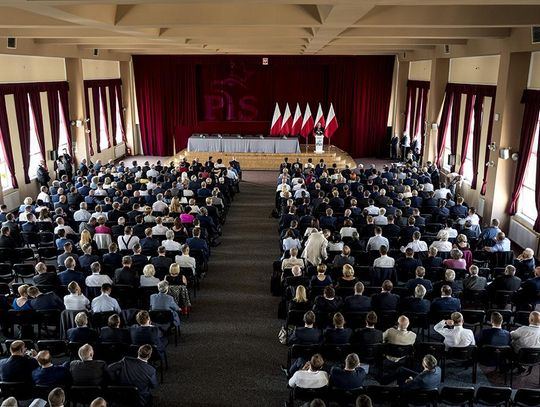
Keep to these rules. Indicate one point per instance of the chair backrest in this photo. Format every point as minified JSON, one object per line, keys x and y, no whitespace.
{"x":302,"y":394}
{"x":122,"y":395}
{"x":419,"y":397}
{"x":56,"y":347}
{"x":526,"y":398}
{"x":85,"y":394}
{"x":436,"y":349}
{"x":462,"y":353}
{"x":529,"y":356}
{"x":382,"y":394}
{"x":493,"y":396}
{"x":19,"y":390}
{"x":161,"y":316}
{"x":456,"y":396}
{"x":304,"y":351}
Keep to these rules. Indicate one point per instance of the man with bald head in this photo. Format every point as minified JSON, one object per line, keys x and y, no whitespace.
{"x":527,"y":336}
{"x":399,"y":336}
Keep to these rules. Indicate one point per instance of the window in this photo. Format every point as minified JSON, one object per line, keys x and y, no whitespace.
{"x":447,"y":143}
{"x":527,"y":197}
{"x":104,"y":142}
{"x":5,"y":175}
{"x":468,"y":171}
{"x":35,"y":152}
{"x":64,"y":130}
{"x":118,"y":132}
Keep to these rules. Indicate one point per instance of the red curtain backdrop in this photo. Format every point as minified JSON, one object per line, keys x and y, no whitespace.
{"x":54,"y":118}
{"x":181,"y":95}
{"x":6,"y":141}
{"x":23,"y":124}
{"x":486,"y":157}
{"x":35,"y":101}
{"x":477,"y":135}
{"x":103,"y":102}
{"x":531,"y":99}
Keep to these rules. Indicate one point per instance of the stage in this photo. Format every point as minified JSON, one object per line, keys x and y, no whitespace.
{"x":271,"y":161}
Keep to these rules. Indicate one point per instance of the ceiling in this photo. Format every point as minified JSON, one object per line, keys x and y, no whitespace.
{"x":301,"y":27}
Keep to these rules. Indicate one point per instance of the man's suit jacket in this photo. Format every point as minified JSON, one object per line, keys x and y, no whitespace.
{"x":391,"y":230}
{"x":47,"y":301}
{"x":306,"y":336}
{"x":82,"y":334}
{"x":384,"y":301}
{"x":367,"y":336}
{"x":345,"y":379}
{"x":150,"y":244}
{"x":474,"y":283}
{"x":357,"y":303}
{"x":112,"y":260}
{"x":432,"y":262}
{"x":162,"y":262}
{"x":17,"y":369}
{"x":412,"y":283}
{"x":118,"y":335}
{"x":428,"y":379}
{"x":7,"y":242}
{"x":196,"y":243}
{"x":504,"y":282}
{"x":445,"y":304}
{"x":126,"y":276}
{"x":337,"y":336}
{"x":416,"y":305}
{"x":47,"y":278}
{"x":54,"y":376}
{"x":494,"y":337}
{"x":68,"y":276}
{"x":151,"y":335}
{"x":135,"y":372}
{"x":88,"y":373}
{"x":324,"y":305}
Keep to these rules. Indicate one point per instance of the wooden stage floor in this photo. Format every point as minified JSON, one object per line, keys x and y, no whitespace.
{"x":260,"y":161}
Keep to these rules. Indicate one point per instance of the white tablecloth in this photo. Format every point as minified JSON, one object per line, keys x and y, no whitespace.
{"x":269,"y":145}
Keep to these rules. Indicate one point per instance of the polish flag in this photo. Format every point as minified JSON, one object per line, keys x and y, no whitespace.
{"x":331,"y":122}
{"x":286,"y":123}
{"x":307,"y":122}
{"x":319,"y":118}
{"x":297,"y":121}
{"x":275,"y":128}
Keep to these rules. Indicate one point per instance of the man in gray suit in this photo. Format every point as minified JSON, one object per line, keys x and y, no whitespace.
{"x":162,"y":301}
{"x":136,"y":372}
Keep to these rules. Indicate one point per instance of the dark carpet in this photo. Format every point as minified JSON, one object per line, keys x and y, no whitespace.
{"x":229,"y":353}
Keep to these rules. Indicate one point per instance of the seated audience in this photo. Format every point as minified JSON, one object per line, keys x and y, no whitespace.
{"x":385,"y":300}
{"x":306,"y":335}
{"x":349,"y":377}
{"x":75,"y":300}
{"x":338,"y":335}
{"x":48,"y":374}
{"x":113,"y":332}
{"x":104,"y":302}
{"x":357,"y":302}
{"x":446,"y":303}
{"x":82,"y":333}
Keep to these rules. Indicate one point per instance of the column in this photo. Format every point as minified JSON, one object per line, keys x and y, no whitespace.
{"x":438,"y":80}
{"x":401,"y":96}
{"x":74,"y":74}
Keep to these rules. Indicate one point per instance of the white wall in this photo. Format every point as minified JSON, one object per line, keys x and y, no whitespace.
{"x":475,"y":70}
{"x":420,"y":70}
{"x":534,"y":72}
{"x":96,"y":69}
{"x":20,"y":68}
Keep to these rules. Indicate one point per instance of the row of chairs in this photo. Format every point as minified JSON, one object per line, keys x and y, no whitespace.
{"x":448,"y":396}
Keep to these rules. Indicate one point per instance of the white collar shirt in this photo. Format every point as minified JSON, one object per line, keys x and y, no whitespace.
{"x":456,"y":337}
{"x":526,"y":337}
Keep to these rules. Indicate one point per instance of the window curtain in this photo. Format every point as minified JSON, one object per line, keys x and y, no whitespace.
{"x":421,"y":117}
{"x":23,"y":124}
{"x":469,"y":114}
{"x":408,"y":103}
{"x":443,"y":126}
{"x":454,"y":127}
{"x":64,"y":101}
{"x":415,"y":109}
{"x":120,"y":104}
{"x":531,"y":99}
{"x":113,"y":107}
{"x":477,"y":135}
{"x":54,"y":117}
{"x":35,"y":101}
{"x":89,"y":123}
{"x":483,"y":189}
{"x":103,"y":101}
{"x":96,"y":104}
{"x":6,"y":141}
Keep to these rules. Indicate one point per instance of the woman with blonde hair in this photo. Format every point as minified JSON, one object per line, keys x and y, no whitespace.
{"x":321,"y":279}
{"x":148,"y":278}
{"x":178,"y":288}
{"x":174,"y":277}
{"x":44,"y":216}
{"x":22,"y":303}
{"x":300,"y":301}
{"x":148,"y":217}
{"x":347,"y":279}
{"x":174,"y":206}
{"x":86,"y":238}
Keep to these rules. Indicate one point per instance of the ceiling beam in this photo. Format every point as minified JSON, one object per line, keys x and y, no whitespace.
{"x":423,"y":32}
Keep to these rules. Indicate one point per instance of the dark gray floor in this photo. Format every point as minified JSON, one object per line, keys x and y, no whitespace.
{"x":229,"y":354}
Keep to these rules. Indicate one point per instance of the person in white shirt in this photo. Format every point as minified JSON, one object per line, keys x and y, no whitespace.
{"x":127,"y":241}
{"x":152,"y":172}
{"x":473,"y":217}
{"x":61,"y":225}
{"x":185,"y":260}
{"x":442,"y":245}
{"x":169,"y":244}
{"x":105,"y":303}
{"x":384,"y":261}
{"x":416,"y":245}
{"x":96,"y":279}
{"x":159,"y":229}
{"x":455,"y":336}
{"x":442,"y":192}
{"x":347,"y":230}
{"x":310,"y":376}
{"x":372,"y":209}
{"x":527,"y":336}
{"x":44,"y":195}
{"x":75,"y":300}
{"x":381,"y":219}
{"x":452,"y":233}
{"x":99,"y":213}
{"x":291,"y":261}
{"x":82,"y":215}
{"x":159,"y":205}
{"x":375,"y":242}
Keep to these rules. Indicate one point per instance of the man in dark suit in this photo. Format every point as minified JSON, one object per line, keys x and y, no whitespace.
{"x":30,"y":226}
{"x":459,"y":210}
{"x":81,"y":333}
{"x":507,"y":282}
{"x":407,"y":232}
{"x":6,"y":241}
{"x":427,"y":379}
{"x":385,"y":300}
{"x":45,"y":277}
{"x":69,"y":275}
{"x":406,"y":266}
{"x":432,"y":261}
{"x":136,"y":372}
{"x":449,"y":280}
{"x":368,"y":335}
{"x":88,"y":372}
{"x":149,"y":244}
{"x":494,"y":336}
{"x":357,"y":302}
{"x":306,"y":335}
{"x":328,"y":302}
{"x":446,"y":303}
{"x":48,"y":374}
{"x":138,"y":260}
{"x":338,"y":335}
{"x":113,"y":333}
{"x":391,"y":229}
{"x":528,"y":293}
{"x":161,"y":262}
{"x":420,"y":272}
{"x":41,"y":301}
{"x":146,"y":333}
{"x":113,"y":259}
{"x":196,"y":243}
{"x":126,"y":275}
{"x":417,"y":303}
{"x":348,"y":378}
{"x":18,"y":367}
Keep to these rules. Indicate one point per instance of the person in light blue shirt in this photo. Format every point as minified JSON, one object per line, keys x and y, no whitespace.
{"x":502,"y":244}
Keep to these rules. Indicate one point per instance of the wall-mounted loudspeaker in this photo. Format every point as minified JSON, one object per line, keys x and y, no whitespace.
{"x":447,"y":49}
{"x":12,"y":42}
{"x":53,"y":155}
{"x":96,"y":52}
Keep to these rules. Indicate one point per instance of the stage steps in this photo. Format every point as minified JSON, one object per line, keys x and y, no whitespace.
{"x":258,"y":161}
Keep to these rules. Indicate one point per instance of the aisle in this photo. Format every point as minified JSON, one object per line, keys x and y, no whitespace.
{"x":229,"y":354}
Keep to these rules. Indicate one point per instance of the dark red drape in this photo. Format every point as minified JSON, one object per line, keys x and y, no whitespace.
{"x":54,"y":118}
{"x":179,"y":95}
{"x":23,"y":124}
{"x":113,"y":107}
{"x":443,"y":126}
{"x":454,"y":126}
{"x":528,"y":129}
{"x":6,"y":141}
{"x":477,"y":135}
{"x":89,"y":122}
{"x":96,"y":105}
{"x":469,"y":114}
{"x":425,"y":92}
{"x":35,"y":101}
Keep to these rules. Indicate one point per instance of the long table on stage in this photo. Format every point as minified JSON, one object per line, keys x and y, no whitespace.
{"x":268,"y":145}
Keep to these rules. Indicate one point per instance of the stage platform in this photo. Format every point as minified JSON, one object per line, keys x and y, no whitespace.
{"x":262,"y":161}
